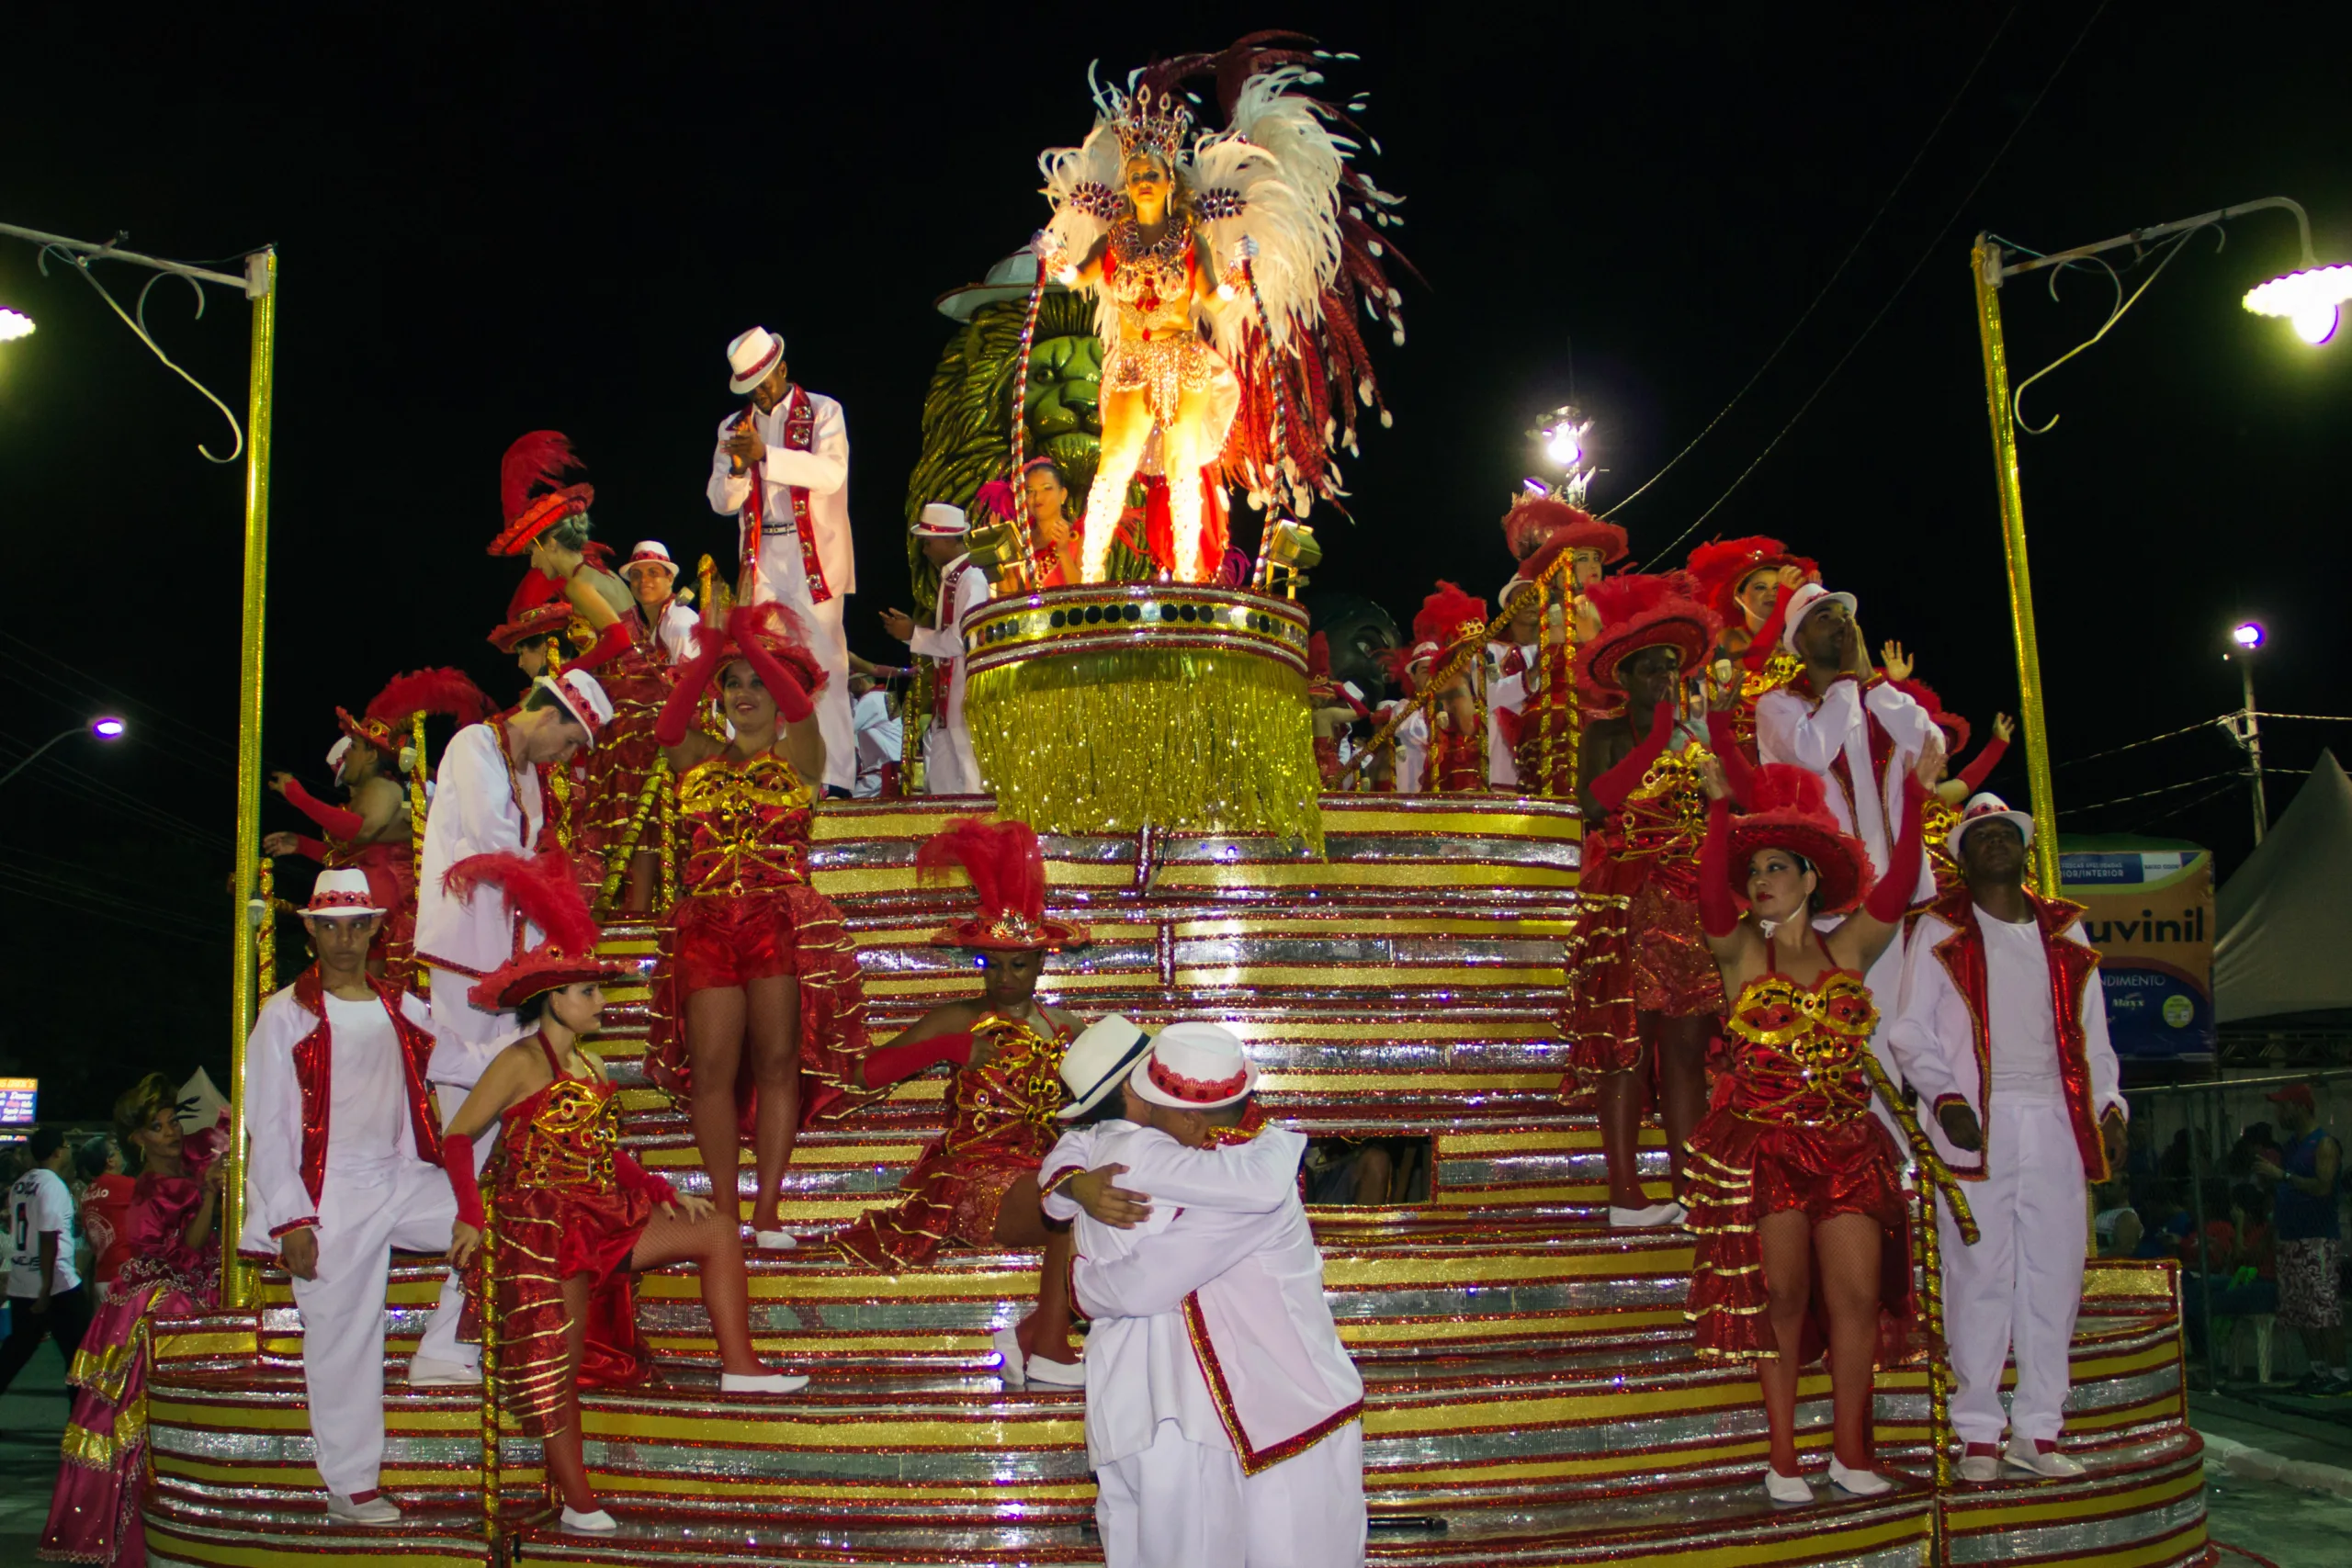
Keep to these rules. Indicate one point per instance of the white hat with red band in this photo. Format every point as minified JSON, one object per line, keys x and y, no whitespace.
{"x":1195,"y":1066}
{"x":650,"y":552}
{"x":583,"y":698}
{"x":941,"y":521}
{"x":750,"y":357}
{"x":1806,"y":599}
{"x":342,"y":895}
{"x":1987,"y":808}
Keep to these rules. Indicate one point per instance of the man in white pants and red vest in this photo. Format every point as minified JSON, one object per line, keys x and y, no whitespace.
{"x":345,"y":1167}
{"x":949,"y":766}
{"x":486,"y":798}
{"x":1223,"y":1415}
{"x":794,"y":521}
{"x":2003,"y":1031}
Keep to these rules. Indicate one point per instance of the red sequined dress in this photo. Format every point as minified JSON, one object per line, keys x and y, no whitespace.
{"x":1545,"y":749}
{"x":1002,"y":1125}
{"x":559,"y":1212}
{"x":1792,"y":1128}
{"x":1644,"y":951}
{"x":618,"y":806}
{"x":745,"y":912}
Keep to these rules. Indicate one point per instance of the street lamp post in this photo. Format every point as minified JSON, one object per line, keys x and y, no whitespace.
{"x":2308,"y":298}
{"x":2245,"y":638}
{"x":104,"y":727}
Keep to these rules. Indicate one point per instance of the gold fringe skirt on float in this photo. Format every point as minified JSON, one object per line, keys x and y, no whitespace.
{"x":1105,"y":707}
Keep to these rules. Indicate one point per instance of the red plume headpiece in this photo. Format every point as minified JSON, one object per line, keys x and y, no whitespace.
{"x":1640,"y":610}
{"x":1536,"y":520}
{"x":545,"y":891}
{"x":537,"y":461}
{"x":1720,"y":565}
{"x":1008,"y":870}
{"x":386,"y":722}
{"x":1789,"y":809}
{"x":1450,"y":616}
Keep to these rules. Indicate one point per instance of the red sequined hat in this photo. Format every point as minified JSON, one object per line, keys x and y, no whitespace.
{"x":1008,"y":872}
{"x":1450,"y":616}
{"x":546,"y":892}
{"x":543,"y":620}
{"x":539,"y":460}
{"x":1720,"y":566}
{"x":1640,"y":610}
{"x":1789,"y":809}
{"x":385,"y":725}
{"x":1543,"y":523}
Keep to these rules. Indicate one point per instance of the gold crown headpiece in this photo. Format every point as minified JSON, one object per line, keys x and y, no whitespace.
{"x":1156,"y":122}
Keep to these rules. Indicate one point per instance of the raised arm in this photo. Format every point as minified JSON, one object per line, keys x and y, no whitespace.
{"x":1733,"y":940}
{"x":728,"y":488}
{"x":1813,"y":738}
{"x":1864,"y":934}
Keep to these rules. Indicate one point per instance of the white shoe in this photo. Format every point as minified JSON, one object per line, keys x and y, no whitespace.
{"x":378,"y":1510}
{"x":1009,"y":1358}
{"x":774,"y":1241}
{"x":431,"y":1371}
{"x":1788,"y":1491}
{"x":1858,"y":1482}
{"x":1980,"y":1467}
{"x":2054,"y":1464}
{"x":1056,"y":1374}
{"x":1667,"y":1214}
{"x":594,"y":1522}
{"x":761,"y":1383}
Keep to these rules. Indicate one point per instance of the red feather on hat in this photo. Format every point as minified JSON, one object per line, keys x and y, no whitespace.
{"x":1318,"y":657}
{"x":1536,"y":520}
{"x":1621,"y":598}
{"x":778,"y":632}
{"x":542,"y":889}
{"x":1445,"y":609}
{"x":1785,"y":787}
{"x":450,"y":692}
{"x":540,"y":458}
{"x":996,"y":498}
{"x":1007,"y":868}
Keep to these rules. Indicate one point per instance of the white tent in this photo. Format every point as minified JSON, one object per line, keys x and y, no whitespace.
{"x":2285,"y":920}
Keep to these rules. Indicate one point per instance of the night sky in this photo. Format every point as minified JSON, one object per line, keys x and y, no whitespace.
{"x":495,"y":219}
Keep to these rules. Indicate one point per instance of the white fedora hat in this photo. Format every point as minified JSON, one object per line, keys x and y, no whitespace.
{"x":1097,"y":1060}
{"x":750,"y":357}
{"x":342,"y":895}
{"x":583,"y":698}
{"x":1195,"y":1066}
{"x":1986,"y":808}
{"x":941,"y":521}
{"x":650,"y":552}
{"x":1802,"y":602}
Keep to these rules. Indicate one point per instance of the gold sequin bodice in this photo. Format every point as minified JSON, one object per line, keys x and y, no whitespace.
{"x":1798,"y":1051}
{"x":563,"y":1136}
{"x":746,"y":825}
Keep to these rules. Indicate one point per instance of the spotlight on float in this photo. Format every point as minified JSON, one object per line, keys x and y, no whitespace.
{"x":14,"y":324}
{"x":108,"y":727}
{"x":2308,"y":299}
{"x":2247,"y":634}
{"x":1291,"y":550}
{"x":1561,"y":434}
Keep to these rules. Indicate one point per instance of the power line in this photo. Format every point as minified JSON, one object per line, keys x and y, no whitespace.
{"x":2160,"y":789}
{"x":1863,"y":336}
{"x":2151,"y":740}
{"x":122,"y":912}
{"x":1852,"y":251}
{"x":109,"y":692}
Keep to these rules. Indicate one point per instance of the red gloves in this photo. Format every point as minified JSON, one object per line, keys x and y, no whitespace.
{"x":635,"y":1178}
{"x":458,"y":1160}
{"x":1737,"y":772}
{"x":790,"y":690}
{"x":343,"y":824}
{"x":1890,"y":898}
{"x":311,"y":847}
{"x":887,"y":1064}
{"x":614,"y":641}
{"x":1974,"y":774}
{"x":1609,"y":789}
{"x":694,"y":681}
{"x":1718,"y":907}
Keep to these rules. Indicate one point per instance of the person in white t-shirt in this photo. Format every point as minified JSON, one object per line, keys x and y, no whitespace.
{"x":45,"y":1294}
{"x":2028,"y":1110}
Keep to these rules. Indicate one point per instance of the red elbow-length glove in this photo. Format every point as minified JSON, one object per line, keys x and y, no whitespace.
{"x":1891,"y":898}
{"x":633,"y":1178}
{"x":1974,"y":774}
{"x":694,"y":680}
{"x":1609,"y":789}
{"x":611,"y":643}
{"x":887,"y":1064}
{"x":789,"y":688}
{"x":1737,"y":772}
{"x":1718,"y":908}
{"x":335,"y":819}
{"x":457,"y":1161}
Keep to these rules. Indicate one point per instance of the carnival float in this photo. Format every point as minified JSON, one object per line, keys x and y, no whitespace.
{"x":1396,"y":963}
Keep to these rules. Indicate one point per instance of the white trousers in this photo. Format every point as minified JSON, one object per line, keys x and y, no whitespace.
{"x":1183,"y":1505}
{"x":464,"y":1037}
{"x":948,"y":765}
{"x":2018,"y":1289}
{"x":361,"y":1218}
{"x":440,"y":1341}
{"x":782,"y":578}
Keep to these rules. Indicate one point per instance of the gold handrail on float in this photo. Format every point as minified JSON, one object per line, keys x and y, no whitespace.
{"x":1469,"y":649}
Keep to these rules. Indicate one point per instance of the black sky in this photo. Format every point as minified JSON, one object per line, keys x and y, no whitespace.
{"x":497,"y":219}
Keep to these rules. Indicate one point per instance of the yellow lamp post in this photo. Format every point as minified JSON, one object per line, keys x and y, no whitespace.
{"x":2308,"y":298}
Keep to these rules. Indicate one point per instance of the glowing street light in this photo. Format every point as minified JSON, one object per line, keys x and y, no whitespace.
{"x":2247,"y":634}
{"x":2308,"y":298}
{"x":14,"y":324}
{"x":105,"y":726}
{"x":2246,"y":726}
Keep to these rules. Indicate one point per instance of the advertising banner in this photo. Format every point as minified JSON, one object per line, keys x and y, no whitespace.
{"x":2149,"y":910}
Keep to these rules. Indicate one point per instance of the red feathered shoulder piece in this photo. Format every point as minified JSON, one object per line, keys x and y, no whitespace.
{"x":450,"y":692}
{"x":542,"y":889}
{"x":1444,"y":614}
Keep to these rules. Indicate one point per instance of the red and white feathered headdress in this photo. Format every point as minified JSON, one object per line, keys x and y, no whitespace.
{"x":530,"y":496}
{"x":1641,"y":610}
{"x":1789,"y":809}
{"x":1450,"y":616}
{"x":1535,"y":521}
{"x":545,"y":891}
{"x":1008,"y":872}
{"x":1720,"y":566}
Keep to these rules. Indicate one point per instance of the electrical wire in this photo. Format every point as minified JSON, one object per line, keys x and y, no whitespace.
{"x":1990,"y":166}
{"x":2151,"y":740}
{"x":2230,"y":788}
{"x":121,"y":911}
{"x":2315,"y":718}
{"x":2160,"y":789}
{"x":33,"y":650}
{"x":1851,"y":252}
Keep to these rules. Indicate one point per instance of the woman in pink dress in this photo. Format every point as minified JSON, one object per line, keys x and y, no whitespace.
{"x":173,"y":1271}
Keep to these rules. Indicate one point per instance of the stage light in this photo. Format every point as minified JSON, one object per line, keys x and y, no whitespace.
{"x":2247,"y":634}
{"x":108,"y":727}
{"x":2308,"y":299}
{"x":1562,"y":446}
{"x":14,"y":324}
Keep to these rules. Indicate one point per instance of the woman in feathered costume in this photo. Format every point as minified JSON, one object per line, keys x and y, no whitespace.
{"x":1168,"y":230}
